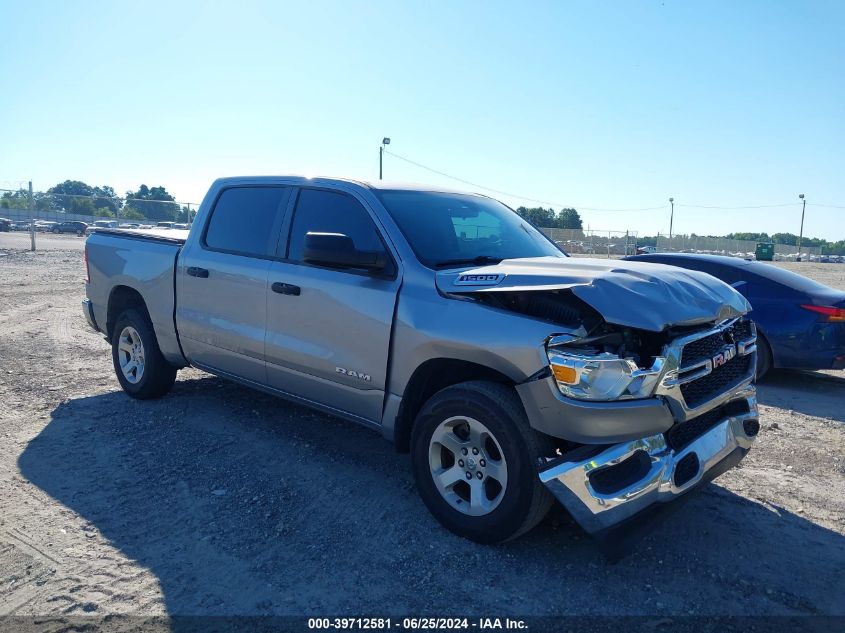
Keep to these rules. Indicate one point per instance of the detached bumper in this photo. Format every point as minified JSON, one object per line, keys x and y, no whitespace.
{"x":603,"y":487}
{"x":88,"y":311}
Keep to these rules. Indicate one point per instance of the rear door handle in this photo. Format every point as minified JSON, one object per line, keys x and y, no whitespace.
{"x":286,"y":289}
{"x":193,"y":271}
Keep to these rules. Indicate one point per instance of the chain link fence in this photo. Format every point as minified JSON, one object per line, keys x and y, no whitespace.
{"x":729,"y":247}
{"x":591,"y":242}
{"x":48,"y":210}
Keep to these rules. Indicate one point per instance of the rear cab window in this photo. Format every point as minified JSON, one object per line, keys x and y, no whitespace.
{"x":245,"y":220}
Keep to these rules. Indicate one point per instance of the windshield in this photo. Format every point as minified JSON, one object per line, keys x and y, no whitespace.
{"x":450,"y":229}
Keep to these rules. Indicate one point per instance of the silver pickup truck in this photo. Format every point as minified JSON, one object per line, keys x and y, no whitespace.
{"x":511,"y":373}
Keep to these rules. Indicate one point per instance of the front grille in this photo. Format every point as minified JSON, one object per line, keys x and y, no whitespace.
{"x":697,"y":356}
{"x":683,"y":434}
{"x":707,"y":347}
{"x":717,"y":382}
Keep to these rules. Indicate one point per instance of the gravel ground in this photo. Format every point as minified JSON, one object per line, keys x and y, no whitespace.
{"x":219,"y":500}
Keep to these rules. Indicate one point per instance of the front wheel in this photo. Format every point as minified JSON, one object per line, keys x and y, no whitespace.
{"x":475,"y":461}
{"x":141,"y":369}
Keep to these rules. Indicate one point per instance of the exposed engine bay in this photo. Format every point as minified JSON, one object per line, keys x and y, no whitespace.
{"x":562,"y":308}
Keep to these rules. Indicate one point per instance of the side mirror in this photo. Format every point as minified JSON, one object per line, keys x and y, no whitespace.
{"x":337,"y":250}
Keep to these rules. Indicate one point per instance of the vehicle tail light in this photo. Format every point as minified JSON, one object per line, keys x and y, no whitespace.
{"x":87,"y":270}
{"x":829,"y":313}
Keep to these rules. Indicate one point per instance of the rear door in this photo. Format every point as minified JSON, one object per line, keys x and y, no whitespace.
{"x":221,"y":281}
{"x":328,"y":330}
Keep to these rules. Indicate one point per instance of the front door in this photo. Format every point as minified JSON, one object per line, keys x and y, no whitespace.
{"x":328,"y":330}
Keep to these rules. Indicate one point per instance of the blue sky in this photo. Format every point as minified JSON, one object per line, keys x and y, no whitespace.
{"x":611,"y":105}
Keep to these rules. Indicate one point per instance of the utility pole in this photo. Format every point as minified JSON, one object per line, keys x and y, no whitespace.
{"x":384,"y":141}
{"x":801,"y":232}
{"x":671,"y":220}
{"x":31,"y":208}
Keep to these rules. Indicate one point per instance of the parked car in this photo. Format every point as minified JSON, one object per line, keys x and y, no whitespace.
{"x":5,"y":224}
{"x":71,"y":227}
{"x":800,"y":322}
{"x":44,"y":226}
{"x":102,"y":224}
{"x":642,"y":250}
{"x":165,"y":225}
{"x":20,"y":225}
{"x":511,"y":372}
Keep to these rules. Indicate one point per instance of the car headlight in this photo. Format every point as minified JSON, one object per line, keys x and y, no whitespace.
{"x":587,"y":375}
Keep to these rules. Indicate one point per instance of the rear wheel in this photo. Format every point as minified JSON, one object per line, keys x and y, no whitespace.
{"x":475,"y":460}
{"x":141,"y":369}
{"x":764,"y":356}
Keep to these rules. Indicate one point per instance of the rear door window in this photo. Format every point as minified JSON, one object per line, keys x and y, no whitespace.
{"x":245,"y":220}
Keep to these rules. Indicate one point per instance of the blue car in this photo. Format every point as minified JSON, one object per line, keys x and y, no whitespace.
{"x":800,"y":323}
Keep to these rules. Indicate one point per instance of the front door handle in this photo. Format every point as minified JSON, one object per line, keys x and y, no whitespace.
{"x":193,"y":271}
{"x":286,"y":289}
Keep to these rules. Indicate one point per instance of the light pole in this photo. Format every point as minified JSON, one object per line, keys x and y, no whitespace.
{"x":384,"y":141}
{"x":671,"y":220}
{"x":801,"y":232}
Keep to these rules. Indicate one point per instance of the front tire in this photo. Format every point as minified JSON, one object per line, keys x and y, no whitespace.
{"x":475,"y":458}
{"x":141,"y":369}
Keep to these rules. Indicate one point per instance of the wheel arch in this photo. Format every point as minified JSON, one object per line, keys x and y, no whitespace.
{"x":122,"y":298}
{"x":429,"y":378}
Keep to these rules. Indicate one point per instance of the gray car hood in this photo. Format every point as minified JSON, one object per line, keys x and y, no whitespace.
{"x":635,"y":294}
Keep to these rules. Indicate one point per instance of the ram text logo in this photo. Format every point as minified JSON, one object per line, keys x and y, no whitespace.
{"x":353,"y":374}
{"x":724,"y":356}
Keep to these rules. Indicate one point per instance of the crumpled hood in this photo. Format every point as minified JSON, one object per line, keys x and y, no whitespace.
{"x":634,"y":294}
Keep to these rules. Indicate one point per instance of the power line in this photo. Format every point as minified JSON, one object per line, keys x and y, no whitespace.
{"x":754,"y":206}
{"x":580,"y":207}
{"x":507,"y":193}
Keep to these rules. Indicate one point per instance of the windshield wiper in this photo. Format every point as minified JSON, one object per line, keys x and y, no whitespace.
{"x":481,"y":259}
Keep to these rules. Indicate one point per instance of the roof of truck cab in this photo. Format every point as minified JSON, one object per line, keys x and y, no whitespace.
{"x":318,"y":180}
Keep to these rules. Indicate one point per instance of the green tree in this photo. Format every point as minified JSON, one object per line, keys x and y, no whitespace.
{"x":14,"y":199}
{"x":569,"y":219}
{"x":153,"y":203}
{"x":75,"y":196}
{"x":538,"y":216}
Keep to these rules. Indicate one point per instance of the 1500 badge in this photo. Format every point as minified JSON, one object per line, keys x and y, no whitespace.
{"x":478,"y":280}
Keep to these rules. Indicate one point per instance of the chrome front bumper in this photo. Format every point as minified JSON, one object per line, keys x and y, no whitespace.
{"x":650,"y":475}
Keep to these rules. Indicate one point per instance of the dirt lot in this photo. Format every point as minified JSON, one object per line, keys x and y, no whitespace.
{"x":219,"y":500}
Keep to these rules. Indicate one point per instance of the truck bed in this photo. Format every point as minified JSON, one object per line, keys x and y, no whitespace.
{"x":175,"y":236}
{"x":142,"y":261}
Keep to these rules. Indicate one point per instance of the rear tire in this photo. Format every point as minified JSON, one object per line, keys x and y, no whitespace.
{"x":141,"y":369}
{"x":764,"y":357}
{"x":491,"y":493}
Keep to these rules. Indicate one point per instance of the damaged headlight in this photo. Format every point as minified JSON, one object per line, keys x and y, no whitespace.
{"x":588,"y":375}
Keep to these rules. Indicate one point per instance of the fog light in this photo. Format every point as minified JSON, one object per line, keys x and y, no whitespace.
{"x":751,"y":427}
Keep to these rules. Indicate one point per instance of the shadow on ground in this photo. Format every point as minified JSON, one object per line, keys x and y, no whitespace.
{"x":812,"y":393}
{"x":240,"y":503}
